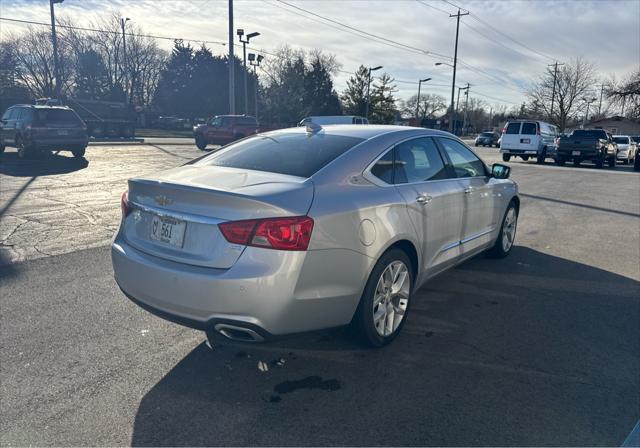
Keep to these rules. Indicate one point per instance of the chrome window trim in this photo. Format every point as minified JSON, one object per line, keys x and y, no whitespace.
{"x":176,"y":215}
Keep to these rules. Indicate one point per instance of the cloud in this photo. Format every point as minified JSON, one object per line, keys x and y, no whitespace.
{"x":605,"y":32}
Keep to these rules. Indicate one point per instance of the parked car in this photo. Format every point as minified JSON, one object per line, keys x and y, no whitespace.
{"x":333,"y":119}
{"x":528,"y":139}
{"x":627,"y":148}
{"x":488,"y":139}
{"x":224,"y":129}
{"x":595,"y":145}
{"x":636,"y":164}
{"x":297,"y":230}
{"x":33,"y":129}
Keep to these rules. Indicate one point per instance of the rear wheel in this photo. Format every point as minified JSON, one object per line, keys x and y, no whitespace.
{"x":541,"y":157}
{"x":525,"y":158}
{"x":599,"y":161}
{"x":636,"y":163}
{"x":77,"y":153}
{"x":384,"y":303}
{"x":1,"y":149}
{"x":507,"y":235}
{"x":560,"y":161}
{"x":576,"y":162}
{"x":24,"y":151}
{"x":612,"y":162}
{"x":201,"y":143}
{"x":506,"y":157}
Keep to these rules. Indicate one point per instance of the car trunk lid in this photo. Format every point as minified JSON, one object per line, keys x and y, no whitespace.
{"x":176,"y":214}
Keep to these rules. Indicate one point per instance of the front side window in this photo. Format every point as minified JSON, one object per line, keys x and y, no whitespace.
{"x":217,"y":122}
{"x":513,"y":128}
{"x":295,"y":153}
{"x":7,"y":114}
{"x":464,"y":162}
{"x":418,"y":160}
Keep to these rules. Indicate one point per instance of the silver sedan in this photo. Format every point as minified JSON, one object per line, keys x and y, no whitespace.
{"x":309,"y":228}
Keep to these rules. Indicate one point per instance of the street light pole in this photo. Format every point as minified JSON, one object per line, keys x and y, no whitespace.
{"x":124,"y":57}
{"x":255,"y":62}
{"x":455,"y":63}
{"x":245,"y":41}
{"x":232,"y":86}
{"x":466,"y":108}
{"x":366,"y":110}
{"x":54,"y":42}
{"x":418,"y":102}
{"x":586,"y":115}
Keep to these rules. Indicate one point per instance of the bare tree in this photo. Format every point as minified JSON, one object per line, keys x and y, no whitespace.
{"x":573,"y":82}
{"x":430,"y":105}
{"x":626,"y":95}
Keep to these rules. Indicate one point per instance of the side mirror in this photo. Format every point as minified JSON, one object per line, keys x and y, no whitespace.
{"x":500,"y":171}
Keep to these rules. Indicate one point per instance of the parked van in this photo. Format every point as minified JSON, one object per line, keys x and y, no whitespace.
{"x":334,"y":119}
{"x":528,"y":138}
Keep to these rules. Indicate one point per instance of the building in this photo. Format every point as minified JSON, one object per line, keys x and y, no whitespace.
{"x":616,"y":125}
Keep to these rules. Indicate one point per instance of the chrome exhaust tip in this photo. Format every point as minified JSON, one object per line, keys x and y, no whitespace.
{"x":236,"y":333}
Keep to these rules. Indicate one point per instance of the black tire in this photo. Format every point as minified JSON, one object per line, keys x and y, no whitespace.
{"x":506,"y":157}
{"x":363,"y":320}
{"x":576,"y":162}
{"x":498,"y":249}
{"x":24,"y":152}
{"x":636,"y":163}
{"x":560,"y":161}
{"x":599,"y":161}
{"x":525,"y":158}
{"x":475,"y":144}
{"x":2,"y":147}
{"x":612,"y":162}
{"x":78,"y":153}
{"x":542,"y":157}
{"x":201,"y":143}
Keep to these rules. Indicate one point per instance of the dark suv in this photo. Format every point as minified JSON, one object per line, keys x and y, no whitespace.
{"x":32,"y":129}
{"x":224,"y":129}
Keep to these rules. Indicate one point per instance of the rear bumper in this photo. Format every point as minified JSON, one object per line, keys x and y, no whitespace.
{"x":270,"y":292}
{"x":583,"y":154}
{"x":67,"y":144}
{"x":519,"y":152}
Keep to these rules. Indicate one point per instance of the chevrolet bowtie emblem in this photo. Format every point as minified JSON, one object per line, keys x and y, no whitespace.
{"x":163,"y":200}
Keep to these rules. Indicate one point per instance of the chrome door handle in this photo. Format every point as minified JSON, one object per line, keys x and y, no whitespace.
{"x":423,"y":199}
{"x":468,"y":190}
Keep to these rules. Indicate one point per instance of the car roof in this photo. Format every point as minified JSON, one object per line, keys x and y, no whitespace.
{"x":363,"y":131}
{"x":40,"y":106}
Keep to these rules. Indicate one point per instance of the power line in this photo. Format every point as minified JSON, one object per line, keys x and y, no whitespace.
{"x":382,"y":38}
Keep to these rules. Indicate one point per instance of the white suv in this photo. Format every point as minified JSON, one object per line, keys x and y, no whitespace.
{"x":528,"y":138}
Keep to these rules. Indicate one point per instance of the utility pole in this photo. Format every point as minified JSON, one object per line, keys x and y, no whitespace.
{"x":466,"y":107}
{"x":455,"y":63}
{"x":232,"y":87}
{"x":54,"y":41}
{"x":366,"y":109}
{"x":418,"y":102}
{"x":600,"y":105}
{"x":124,"y":57}
{"x":553,"y":94}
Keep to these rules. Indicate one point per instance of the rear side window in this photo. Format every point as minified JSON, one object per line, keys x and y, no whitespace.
{"x":464,"y":162}
{"x":621,"y":140}
{"x":383,"y":169}
{"x":418,"y":160}
{"x":513,"y":128}
{"x":528,"y":129}
{"x":295,"y":154}
{"x":58,"y":117}
{"x":247,"y":121}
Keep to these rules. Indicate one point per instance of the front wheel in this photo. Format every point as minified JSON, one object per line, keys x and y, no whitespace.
{"x":612,"y":162}
{"x":599,"y":161}
{"x":506,"y":157}
{"x":201,"y":143}
{"x":507,"y":235}
{"x":384,"y":304}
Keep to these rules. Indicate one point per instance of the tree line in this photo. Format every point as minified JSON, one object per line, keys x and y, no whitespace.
{"x":192,"y":82}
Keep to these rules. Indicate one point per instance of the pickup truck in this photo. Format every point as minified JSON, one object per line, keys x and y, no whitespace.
{"x":224,"y":129}
{"x":595,"y":145}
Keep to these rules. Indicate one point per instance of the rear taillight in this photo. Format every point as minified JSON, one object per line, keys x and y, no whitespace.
{"x":274,"y":233}
{"x":124,"y":204}
{"x":504,"y":130}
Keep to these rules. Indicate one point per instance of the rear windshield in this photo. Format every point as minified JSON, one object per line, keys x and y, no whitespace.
{"x":621,"y":140}
{"x":295,"y":154}
{"x":513,"y":128}
{"x":58,"y":116}
{"x":528,"y":129}
{"x":486,"y":134}
{"x":585,"y":133}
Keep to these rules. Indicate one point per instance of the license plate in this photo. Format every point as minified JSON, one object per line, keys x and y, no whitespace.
{"x":531,"y":152}
{"x":525,"y":140}
{"x":575,"y":153}
{"x":168,"y":230}
{"x":63,"y":132}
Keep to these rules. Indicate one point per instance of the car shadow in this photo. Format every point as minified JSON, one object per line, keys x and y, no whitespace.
{"x":529,"y":350}
{"x":45,"y":165}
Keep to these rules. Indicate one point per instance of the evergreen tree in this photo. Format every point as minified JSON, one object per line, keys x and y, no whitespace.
{"x":354,"y":98}
{"x":91,"y":76}
{"x":383,"y":104}
{"x":320,"y":97}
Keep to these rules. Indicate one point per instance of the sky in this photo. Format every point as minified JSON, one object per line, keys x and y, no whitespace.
{"x":503,"y":45}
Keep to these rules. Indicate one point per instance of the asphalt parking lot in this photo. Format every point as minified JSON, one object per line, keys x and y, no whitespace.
{"x":541,"y":348}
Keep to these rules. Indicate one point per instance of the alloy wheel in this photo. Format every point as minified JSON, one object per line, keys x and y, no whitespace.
{"x":509,"y":229}
{"x":391,"y":298}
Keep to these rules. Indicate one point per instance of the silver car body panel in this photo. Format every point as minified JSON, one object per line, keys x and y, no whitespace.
{"x":357,"y":217}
